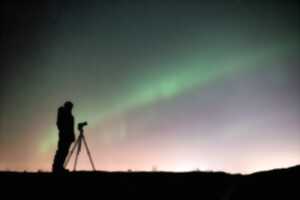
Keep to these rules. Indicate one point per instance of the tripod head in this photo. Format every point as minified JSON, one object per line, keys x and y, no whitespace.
{"x":81,"y":125}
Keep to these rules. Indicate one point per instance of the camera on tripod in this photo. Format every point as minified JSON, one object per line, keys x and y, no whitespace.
{"x":81,"y":125}
{"x":77,"y":146}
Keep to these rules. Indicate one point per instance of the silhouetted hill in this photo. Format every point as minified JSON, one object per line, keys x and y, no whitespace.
{"x":274,"y":184}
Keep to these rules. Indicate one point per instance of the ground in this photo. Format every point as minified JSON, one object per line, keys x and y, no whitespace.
{"x":274,"y":184}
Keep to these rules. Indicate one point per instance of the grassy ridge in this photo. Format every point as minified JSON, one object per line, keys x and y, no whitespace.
{"x":274,"y":184}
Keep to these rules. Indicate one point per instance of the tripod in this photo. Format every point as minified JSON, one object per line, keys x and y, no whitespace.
{"x":77,"y":145}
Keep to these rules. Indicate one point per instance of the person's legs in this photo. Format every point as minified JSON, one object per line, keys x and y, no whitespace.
{"x":61,"y":154}
{"x":65,"y":152}
{"x":55,"y":165}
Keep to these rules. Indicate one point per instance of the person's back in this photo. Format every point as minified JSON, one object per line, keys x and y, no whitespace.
{"x":60,"y":119}
{"x":65,"y":124}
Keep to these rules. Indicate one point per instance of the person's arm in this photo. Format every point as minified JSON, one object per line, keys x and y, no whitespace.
{"x":73,"y":128}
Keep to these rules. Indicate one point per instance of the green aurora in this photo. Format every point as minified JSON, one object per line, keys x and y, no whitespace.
{"x":190,"y":73}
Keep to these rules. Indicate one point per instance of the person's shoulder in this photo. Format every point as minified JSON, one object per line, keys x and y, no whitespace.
{"x":60,"y":110}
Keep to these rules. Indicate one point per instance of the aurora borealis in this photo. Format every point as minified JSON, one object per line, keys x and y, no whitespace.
{"x":175,"y":85}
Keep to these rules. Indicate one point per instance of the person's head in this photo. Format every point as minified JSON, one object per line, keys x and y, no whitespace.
{"x":68,"y":106}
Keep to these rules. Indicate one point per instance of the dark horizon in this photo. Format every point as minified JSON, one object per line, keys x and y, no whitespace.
{"x":276,"y":184}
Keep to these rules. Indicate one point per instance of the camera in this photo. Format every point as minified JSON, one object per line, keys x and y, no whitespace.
{"x":81,"y":125}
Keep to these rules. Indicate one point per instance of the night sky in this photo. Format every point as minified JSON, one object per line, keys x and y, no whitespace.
{"x":172,"y":85}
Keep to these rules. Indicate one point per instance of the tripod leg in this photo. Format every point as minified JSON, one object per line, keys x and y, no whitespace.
{"x":77,"y":153}
{"x":71,"y":152}
{"x":89,"y":154}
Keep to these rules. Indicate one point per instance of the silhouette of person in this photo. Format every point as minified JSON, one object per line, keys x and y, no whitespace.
{"x":65,"y":125}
